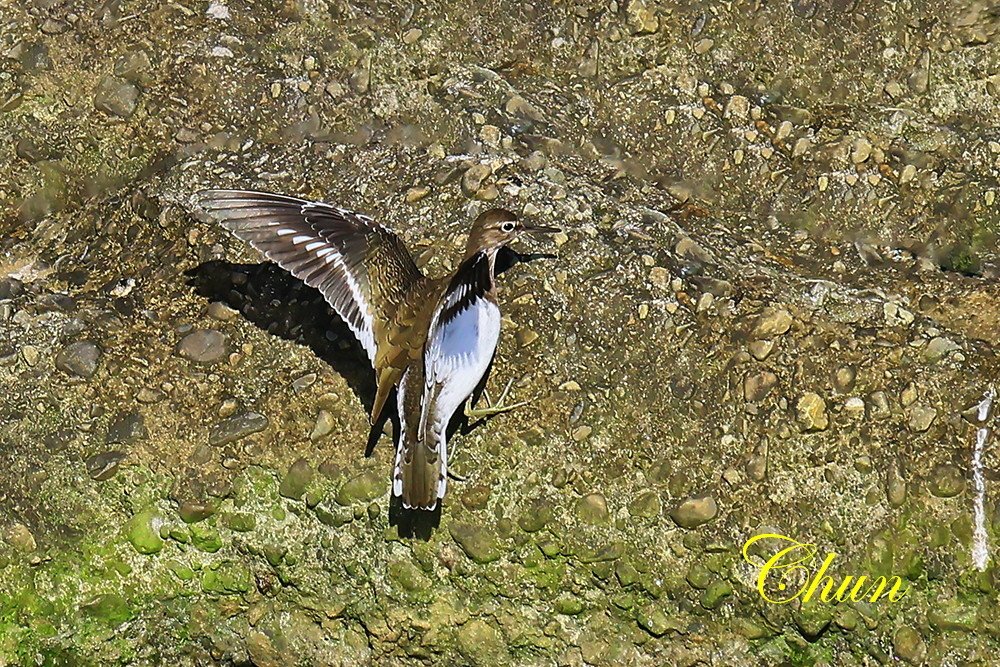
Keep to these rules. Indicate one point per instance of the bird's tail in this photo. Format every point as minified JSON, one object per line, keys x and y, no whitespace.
{"x":420,"y":476}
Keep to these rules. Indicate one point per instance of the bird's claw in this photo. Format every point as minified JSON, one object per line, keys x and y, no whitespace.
{"x":493,"y":409}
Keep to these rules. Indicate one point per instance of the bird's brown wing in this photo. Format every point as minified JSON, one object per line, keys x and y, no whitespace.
{"x":362,"y":268}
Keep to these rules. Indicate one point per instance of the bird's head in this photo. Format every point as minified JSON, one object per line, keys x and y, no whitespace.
{"x":498,"y":227}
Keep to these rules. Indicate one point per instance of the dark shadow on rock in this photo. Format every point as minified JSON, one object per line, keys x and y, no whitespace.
{"x":415,"y":524}
{"x":284,"y":306}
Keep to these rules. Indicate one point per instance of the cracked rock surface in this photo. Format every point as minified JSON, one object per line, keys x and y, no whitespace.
{"x":774,"y":309}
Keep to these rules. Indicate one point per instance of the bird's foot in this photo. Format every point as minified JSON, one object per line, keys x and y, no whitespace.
{"x":492,"y":408}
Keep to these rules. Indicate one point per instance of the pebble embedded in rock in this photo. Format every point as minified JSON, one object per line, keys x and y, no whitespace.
{"x":811,"y":412}
{"x":939,"y":347}
{"x":474,"y":177}
{"x":80,"y":359}
{"x":295,"y":481}
{"x":478,"y":543}
{"x":593,"y":509}
{"x":920,"y":417}
{"x":324,"y":425}
{"x":142,"y":534}
{"x":695,"y":511}
{"x":203,"y":346}
{"x":844,"y":377}
{"x":909,"y":645}
{"x":237,"y":427}
{"x":947,"y":481}
{"x":126,"y":429}
{"x":773,"y":323}
{"x":116,"y":97}
{"x":363,"y":488}
{"x":103,"y":466}
{"x":758,"y":386}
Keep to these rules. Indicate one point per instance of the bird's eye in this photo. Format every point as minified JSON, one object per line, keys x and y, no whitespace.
{"x":507,"y":226}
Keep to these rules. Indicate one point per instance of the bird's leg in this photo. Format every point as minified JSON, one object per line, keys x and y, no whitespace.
{"x":493,"y":408}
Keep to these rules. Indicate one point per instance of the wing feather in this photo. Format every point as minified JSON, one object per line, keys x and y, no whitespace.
{"x":362,"y":268}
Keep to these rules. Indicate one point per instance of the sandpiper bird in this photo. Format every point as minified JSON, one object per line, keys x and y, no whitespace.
{"x":432,"y":339}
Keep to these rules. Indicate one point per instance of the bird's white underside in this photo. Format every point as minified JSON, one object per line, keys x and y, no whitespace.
{"x":456,"y":357}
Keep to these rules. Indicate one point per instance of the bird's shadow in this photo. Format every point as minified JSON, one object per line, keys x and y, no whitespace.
{"x":282,"y":305}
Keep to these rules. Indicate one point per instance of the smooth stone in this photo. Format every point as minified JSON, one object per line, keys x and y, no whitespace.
{"x":324,"y":425}
{"x":126,"y":429}
{"x":593,"y":509}
{"x":141,"y":534}
{"x":947,"y":481}
{"x":695,"y":511}
{"x":473,"y":178}
{"x":811,"y":413}
{"x":236,"y":427}
{"x":80,"y":359}
{"x":773,"y":323}
{"x":294,"y":483}
{"x":193,"y":512}
{"x":478,"y":543}
{"x":654,"y":621}
{"x":909,"y":645}
{"x":363,"y":488}
{"x":844,"y":378}
{"x":939,"y":347}
{"x":103,"y":466}
{"x":203,"y":346}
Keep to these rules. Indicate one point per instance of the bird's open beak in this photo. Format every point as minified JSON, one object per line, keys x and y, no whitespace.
{"x":539,"y":229}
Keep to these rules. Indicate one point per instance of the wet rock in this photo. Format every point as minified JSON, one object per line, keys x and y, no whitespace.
{"x":478,"y":543}
{"x":810,"y":412}
{"x":109,"y":608}
{"x":654,"y":620}
{"x":757,"y":387}
{"x":844,"y":378}
{"x":909,"y":645}
{"x":203,"y":346}
{"x":939,"y":347}
{"x":593,"y":509}
{"x":21,"y":538}
{"x":946,"y":481}
{"x":481,"y":644}
{"x":920,"y":417}
{"x":205,"y":538}
{"x":237,"y":427}
{"x":80,"y":359}
{"x":695,"y":511}
{"x":126,"y":429}
{"x":104,"y":465}
{"x":324,"y":425}
{"x":293,"y":484}
{"x":142,"y":531}
{"x":474,"y":177}
{"x":116,"y":97}
{"x":773,"y":323}
{"x":363,"y":488}
{"x":645,"y":505}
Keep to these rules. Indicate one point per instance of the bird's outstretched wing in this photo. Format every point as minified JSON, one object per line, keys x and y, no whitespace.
{"x":362,"y":268}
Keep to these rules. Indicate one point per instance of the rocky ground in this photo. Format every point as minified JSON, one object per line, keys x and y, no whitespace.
{"x":774,"y":309}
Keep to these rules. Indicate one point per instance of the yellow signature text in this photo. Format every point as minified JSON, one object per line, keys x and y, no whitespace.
{"x":792,"y":571}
